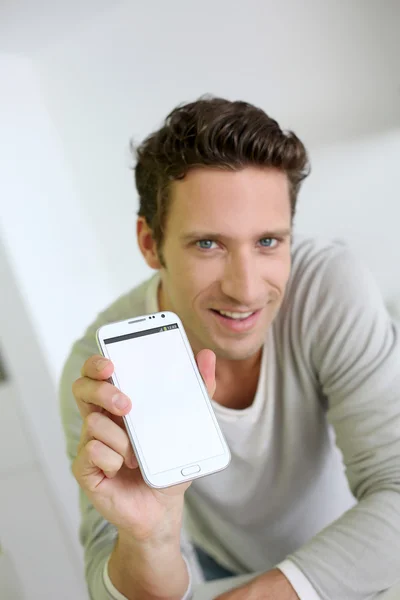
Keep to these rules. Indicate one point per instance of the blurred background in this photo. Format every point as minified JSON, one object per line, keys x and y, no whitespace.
{"x":78,"y":80}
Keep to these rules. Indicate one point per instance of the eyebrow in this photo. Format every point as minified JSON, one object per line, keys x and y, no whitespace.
{"x":204,"y":235}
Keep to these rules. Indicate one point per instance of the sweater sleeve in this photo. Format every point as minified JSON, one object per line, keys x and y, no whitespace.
{"x":97,"y":535}
{"x":298,"y":581}
{"x":355,"y":353}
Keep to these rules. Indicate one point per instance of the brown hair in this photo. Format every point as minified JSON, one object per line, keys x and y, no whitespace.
{"x":212,"y":132}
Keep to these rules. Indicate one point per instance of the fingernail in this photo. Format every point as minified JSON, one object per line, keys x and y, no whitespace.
{"x":120,"y":402}
{"x":101,"y":364}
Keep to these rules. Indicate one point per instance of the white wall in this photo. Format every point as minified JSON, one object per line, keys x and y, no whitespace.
{"x":54,"y":262}
{"x":91,"y":78}
{"x":326,"y":69}
{"x":53,"y":246}
{"x":353,"y":193}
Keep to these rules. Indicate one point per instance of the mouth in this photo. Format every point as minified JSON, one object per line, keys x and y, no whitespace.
{"x":236,"y":321}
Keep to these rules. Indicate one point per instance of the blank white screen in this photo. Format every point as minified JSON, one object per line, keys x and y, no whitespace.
{"x":169,"y":414}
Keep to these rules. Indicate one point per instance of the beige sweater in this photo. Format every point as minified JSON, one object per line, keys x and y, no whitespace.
{"x":315,"y":470}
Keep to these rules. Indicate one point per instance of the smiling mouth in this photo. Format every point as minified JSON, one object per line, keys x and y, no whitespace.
{"x":235,"y":316}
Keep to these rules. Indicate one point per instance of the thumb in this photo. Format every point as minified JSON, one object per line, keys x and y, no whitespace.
{"x":206,"y":360}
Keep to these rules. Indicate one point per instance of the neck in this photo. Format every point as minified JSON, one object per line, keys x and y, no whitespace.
{"x":237,"y":381}
{"x":238,"y":368}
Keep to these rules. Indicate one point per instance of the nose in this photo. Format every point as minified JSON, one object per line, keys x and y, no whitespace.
{"x":242,"y":282}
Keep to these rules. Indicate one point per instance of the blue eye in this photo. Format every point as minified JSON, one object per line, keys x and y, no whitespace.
{"x":268,"y":242}
{"x":205,"y":244}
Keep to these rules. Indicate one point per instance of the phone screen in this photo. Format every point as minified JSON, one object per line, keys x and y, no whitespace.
{"x":171,"y":419}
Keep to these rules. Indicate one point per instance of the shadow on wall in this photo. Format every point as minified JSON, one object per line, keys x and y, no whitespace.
{"x":10,"y":588}
{"x":3,"y":373}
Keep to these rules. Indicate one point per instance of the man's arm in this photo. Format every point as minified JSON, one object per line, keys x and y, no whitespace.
{"x":354,"y":349}
{"x":99,"y":537}
{"x":115,"y":594}
{"x":148,"y":571}
{"x":135,"y":571}
{"x":269,"y":586}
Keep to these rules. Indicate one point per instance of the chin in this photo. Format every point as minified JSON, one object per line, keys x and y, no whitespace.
{"x":236,"y":351}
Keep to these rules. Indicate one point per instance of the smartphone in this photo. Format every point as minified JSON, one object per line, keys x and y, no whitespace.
{"x":171,"y":425}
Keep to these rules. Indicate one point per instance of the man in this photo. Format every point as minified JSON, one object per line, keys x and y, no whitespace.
{"x":297,"y":349}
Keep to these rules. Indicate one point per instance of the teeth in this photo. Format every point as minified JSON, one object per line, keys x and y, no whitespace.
{"x":235,"y":315}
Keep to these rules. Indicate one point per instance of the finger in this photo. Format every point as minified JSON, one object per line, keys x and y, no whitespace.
{"x":98,"y":426}
{"x":206,"y":362}
{"x":94,"y":462}
{"x":97,"y":367}
{"x":93,"y":396}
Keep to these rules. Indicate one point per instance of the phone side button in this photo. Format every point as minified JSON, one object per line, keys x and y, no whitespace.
{"x":190,"y":470}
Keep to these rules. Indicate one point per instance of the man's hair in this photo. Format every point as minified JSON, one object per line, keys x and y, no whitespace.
{"x":217,"y":133}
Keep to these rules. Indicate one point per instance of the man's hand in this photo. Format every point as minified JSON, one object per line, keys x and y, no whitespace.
{"x":148,"y":520}
{"x":269,"y":586}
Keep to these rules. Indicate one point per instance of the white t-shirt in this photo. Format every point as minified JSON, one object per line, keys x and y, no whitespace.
{"x":314,"y":482}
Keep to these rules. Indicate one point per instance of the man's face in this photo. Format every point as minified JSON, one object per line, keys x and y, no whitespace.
{"x":227,"y":250}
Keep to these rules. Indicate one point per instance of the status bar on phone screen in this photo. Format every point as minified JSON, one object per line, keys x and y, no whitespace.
{"x":128,"y":336}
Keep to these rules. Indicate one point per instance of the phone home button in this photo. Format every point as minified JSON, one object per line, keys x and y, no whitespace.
{"x":190,"y":470}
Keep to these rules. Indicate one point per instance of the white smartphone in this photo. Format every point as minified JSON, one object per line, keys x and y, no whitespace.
{"x":172,"y":426}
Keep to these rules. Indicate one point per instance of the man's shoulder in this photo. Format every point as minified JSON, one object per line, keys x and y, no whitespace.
{"x":314,"y":260}
{"x":329,"y":281}
{"x":314,"y":252}
{"x":312,"y":257}
{"x":130,"y":304}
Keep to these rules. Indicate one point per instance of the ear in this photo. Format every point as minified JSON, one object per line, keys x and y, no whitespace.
{"x":147,"y":245}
